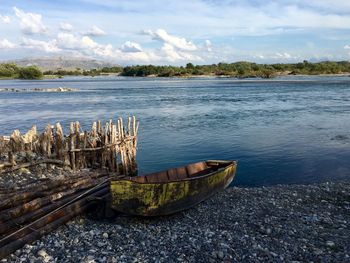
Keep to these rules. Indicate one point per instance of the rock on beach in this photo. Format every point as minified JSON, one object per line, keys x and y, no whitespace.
{"x":289,"y":223}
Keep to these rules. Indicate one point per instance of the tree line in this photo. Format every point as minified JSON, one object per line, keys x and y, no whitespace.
{"x":237,"y":69}
{"x":12,"y":71}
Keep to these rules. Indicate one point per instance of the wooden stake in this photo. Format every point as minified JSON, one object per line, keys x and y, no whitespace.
{"x":112,"y":146}
{"x":59,"y":141}
{"x":72,"y":146}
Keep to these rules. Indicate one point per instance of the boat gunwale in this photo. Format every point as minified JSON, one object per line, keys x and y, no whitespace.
{"x":231,"y":163}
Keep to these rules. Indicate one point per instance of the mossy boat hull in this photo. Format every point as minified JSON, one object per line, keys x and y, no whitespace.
{"x":171,"y":191}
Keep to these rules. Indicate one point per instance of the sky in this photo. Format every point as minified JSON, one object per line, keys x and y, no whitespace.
{"x":177,"y":32}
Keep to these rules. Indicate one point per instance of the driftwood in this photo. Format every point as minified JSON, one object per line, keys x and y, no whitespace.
{"x":14,"y":223}
{"x":48,"y":198}
{"x":111,"y":146}
{"x":55,"y":213}
{"x":45,"y":189}
{"x":33,"y":208}
{"x":50,"y":221}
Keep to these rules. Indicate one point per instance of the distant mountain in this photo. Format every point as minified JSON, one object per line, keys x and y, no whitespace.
{"x":68,"y":63}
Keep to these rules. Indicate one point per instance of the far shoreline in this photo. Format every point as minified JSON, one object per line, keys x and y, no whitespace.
{"x":239,"y":70}
{"x":55,"y":77}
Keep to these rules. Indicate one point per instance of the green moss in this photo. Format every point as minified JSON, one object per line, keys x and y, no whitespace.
{"x":151,"y":196}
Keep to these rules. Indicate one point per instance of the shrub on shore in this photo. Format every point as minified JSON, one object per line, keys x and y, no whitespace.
{"x":9,"y":70}
{"x":30,"y":72}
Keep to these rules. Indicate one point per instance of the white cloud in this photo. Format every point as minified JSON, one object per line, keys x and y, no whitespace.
{"x":30,"y":23}
{"x":87,"y":42}
{"x":4,"y":43}
{"x":95,"y":31}
{"x":208,"y":45}
{"x":178,"y":42}
{"x":5,"y":19}
{"x":46,"y":46}
{"x":71,"y":41}
{"x":129,"y":46}
{"x":85,"y":45}
{"x":68,"y":41}
{"x":275,"y":57}
{"x":171,"y":54}
{"x":129,"y":52}
{"x":64,"y":26}
{"x":347,"y":47}
{"x":174,"y":49}
{"x":284,"y":55}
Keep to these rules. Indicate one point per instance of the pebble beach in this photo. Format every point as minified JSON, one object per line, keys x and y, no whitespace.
{"x":282,"y":223}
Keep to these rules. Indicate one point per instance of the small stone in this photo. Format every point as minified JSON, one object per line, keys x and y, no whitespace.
{"x":318,"y":251}
{"x":273,"y":254}
{"x":24,"y":171}
{"x":100,"y":244}
{"x":330,"y":243}
{"x":105,"y":235}
{"x":268,"y":231}
{"x":43,"y":254}
{"x":220,"y":254}
{"x":89,"y":259}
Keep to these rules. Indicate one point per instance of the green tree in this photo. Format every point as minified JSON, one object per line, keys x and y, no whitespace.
{"x":31,"y":72}
{"x":8,"y":70}
{"x":189,"y":66}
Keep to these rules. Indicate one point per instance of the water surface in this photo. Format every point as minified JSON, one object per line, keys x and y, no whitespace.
{"x":286,"y":130}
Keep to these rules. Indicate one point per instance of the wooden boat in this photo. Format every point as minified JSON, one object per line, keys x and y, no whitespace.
{"x":170,"y":191}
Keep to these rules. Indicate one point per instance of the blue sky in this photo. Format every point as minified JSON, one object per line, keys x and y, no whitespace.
{"x":177,"y":32}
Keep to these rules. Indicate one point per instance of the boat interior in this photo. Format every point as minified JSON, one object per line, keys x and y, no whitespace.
{"x":182,"y":173}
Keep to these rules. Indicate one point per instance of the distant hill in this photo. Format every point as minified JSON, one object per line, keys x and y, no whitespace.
{"x":67,"y":63}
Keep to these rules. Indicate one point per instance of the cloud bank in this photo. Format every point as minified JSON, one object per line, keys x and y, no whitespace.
{"x":197,"y":31}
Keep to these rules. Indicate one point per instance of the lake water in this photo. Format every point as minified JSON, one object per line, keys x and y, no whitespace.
{"x":285,"y":130}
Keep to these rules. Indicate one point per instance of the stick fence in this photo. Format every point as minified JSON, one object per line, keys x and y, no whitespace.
{"x":112,"y":146}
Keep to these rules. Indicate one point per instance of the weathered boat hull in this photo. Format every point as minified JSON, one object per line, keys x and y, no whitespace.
{"x":164,"y":198}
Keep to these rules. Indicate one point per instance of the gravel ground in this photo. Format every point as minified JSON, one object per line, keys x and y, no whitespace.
{"x":291,"y":223}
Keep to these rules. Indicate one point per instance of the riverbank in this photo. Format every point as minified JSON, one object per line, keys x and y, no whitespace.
{"x":189,"y":76}
{"x":284,"y":223}
{"x":209,"y":76}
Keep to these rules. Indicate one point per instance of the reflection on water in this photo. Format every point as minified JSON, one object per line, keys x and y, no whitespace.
{"x":288,"y":130}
